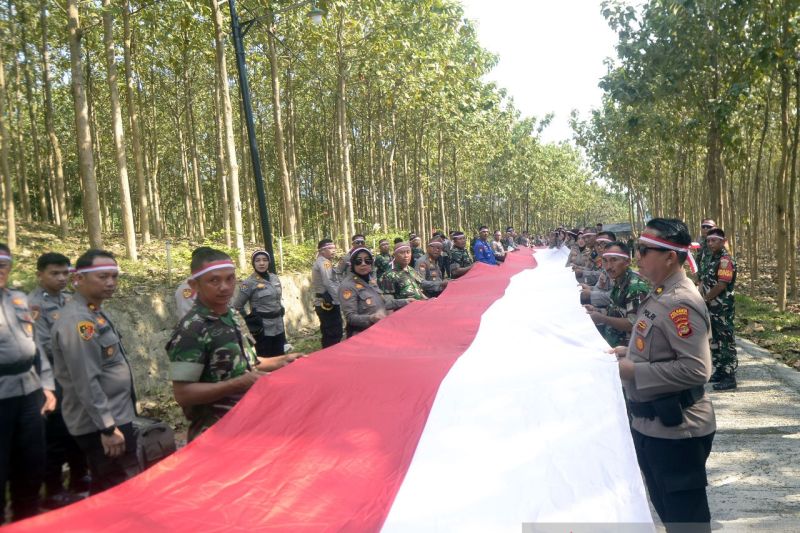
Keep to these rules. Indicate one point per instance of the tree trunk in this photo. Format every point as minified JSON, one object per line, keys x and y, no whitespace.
{"x":32,"y":113}
{"x":128,"y":229}
{"x":11,"y":222}
{"x":133,"y":117}
{"x":91,"y":207}
{"x":781,"y":185}
{"x":793,"y":190}
{"x":344,"y":138}
{"x":755,"y":195}
{"x":230,"y":143}
{"x":291,"y":154}
{"x":222,"y":174}
{"x":196,"y":190}
{"x":289,"y":213}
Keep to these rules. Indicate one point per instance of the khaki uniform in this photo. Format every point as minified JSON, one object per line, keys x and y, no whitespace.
{"x":92,"y":368}
{"x":184,"y":298}
{"x":360,"y":300}
{"x":670,"y":349}
{"x":431,"y":275}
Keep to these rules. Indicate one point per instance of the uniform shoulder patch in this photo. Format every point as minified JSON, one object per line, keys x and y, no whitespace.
{"x":85,"y":329}
{"x":347,"y":294}
{"x":680,"y":317}
{"x":18,"y":302}
{"x":261,"y":286}
{"x":326,"y":264}
{"x":359,"y":286}
{"x":368,"y":301}
{"x":187,"y":293}
{"x":36,"y":312}
{"x":639,"y":343}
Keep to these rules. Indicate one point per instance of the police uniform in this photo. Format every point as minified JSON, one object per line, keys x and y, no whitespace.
{"x":673,"y":420}
{"x":404,"y":283}
{"x":210,"y":348}
{"x":97,"y":382}
{"x":61,"y":446}
{"x":360,"y":299}
{"x":431,"y":274}
{"x":483,"y":252}
{"x":326,"y":301}
{"x":721,"y":267}
{"x":266,"y":312}
{"x":184,"y":298}
{"x":22,"y":441}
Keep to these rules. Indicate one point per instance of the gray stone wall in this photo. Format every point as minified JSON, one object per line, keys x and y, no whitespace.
{"x":146,"y":322}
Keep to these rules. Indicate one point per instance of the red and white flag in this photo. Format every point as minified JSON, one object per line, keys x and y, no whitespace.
{"x":491,"y":406}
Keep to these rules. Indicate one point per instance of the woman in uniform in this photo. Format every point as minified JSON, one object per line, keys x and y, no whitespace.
{"x":262,"y":290}
{"x":361,"y":301}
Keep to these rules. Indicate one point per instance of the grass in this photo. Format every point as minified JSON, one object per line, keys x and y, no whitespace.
{"x":778,"y":332}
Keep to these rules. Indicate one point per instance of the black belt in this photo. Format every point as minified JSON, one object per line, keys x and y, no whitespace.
{"x":19,"y":367}
{"x":651,"y":409}
{"x":274,"y":314}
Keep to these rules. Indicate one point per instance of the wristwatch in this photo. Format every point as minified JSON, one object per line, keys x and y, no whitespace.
{"x":108,"y":431}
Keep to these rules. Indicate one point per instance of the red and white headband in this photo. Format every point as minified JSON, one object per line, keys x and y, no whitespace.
{"x":661,"y":243}
{"x":213,"y":265}
{"x":715,"y":236}
{"x":5,"y":257}
{"x":588,"y":234}
{"x":602,"y":239}
{"x":402,"y":246}
{"x":616,"y":254}
{"x":329,"y":246}
{"x":97,"y":268}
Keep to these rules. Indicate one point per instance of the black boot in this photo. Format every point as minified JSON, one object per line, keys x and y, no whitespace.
{"x":728,"y":382}
{"x":716,"y":376}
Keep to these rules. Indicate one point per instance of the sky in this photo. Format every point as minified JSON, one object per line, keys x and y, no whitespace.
{"x":551,"y":55}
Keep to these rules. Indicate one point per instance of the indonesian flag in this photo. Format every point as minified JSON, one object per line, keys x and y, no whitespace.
{"x":492,"y":406}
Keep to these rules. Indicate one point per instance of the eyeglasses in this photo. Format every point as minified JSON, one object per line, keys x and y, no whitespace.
{"x":644,"y":249}
{"x":362,"y":261}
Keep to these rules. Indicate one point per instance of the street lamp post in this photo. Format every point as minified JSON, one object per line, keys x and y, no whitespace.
{"x":238,"y":30}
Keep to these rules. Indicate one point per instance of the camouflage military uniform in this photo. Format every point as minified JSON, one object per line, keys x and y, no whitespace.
{"x":459,"y":257}
{"x":702,"y":257}
{"x":404,"y":283}
{"x":416,"y":253}
{"x":627,"y":294}
{"x":721,"y":267}
{"x":431,"y":274}
{"x":382,"y":265}
{"x":209,"y":348}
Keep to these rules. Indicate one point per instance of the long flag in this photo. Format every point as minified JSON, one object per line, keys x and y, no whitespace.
{"x":492,"y":406}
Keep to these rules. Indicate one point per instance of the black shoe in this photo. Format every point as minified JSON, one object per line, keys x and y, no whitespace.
{"x":728,"y":382}
{"x":82,"y":484}
{"x":716,"y":376}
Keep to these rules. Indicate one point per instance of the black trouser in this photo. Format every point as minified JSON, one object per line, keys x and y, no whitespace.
{"x":270,"y":346}
{"x":22,"y":453}
{"x":330,"y":324}
{"x":675,"y":473}
{"x":106,"y":471}
{"x":62,"y":448}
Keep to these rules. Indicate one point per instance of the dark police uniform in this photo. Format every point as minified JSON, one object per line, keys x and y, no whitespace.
{"x":673,"y":420}
{"x":360,"y":299}
{"x":22,"y":444}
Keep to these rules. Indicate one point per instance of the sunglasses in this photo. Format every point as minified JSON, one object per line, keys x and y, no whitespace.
{"x":704,"y":226}
{"x":362,"y":261}
{"x":644,"y":249}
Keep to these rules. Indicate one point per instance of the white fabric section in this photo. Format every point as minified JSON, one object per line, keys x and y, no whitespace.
{"x":529,"y":425}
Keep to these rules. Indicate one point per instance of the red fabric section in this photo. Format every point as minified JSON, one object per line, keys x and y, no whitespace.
{"x":321,"y":445}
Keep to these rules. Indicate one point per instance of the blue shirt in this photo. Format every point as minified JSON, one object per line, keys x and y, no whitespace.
{"x":483,"y":252}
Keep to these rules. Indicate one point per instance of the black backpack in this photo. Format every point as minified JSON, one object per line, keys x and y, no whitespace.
{"x":155,"y":440}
